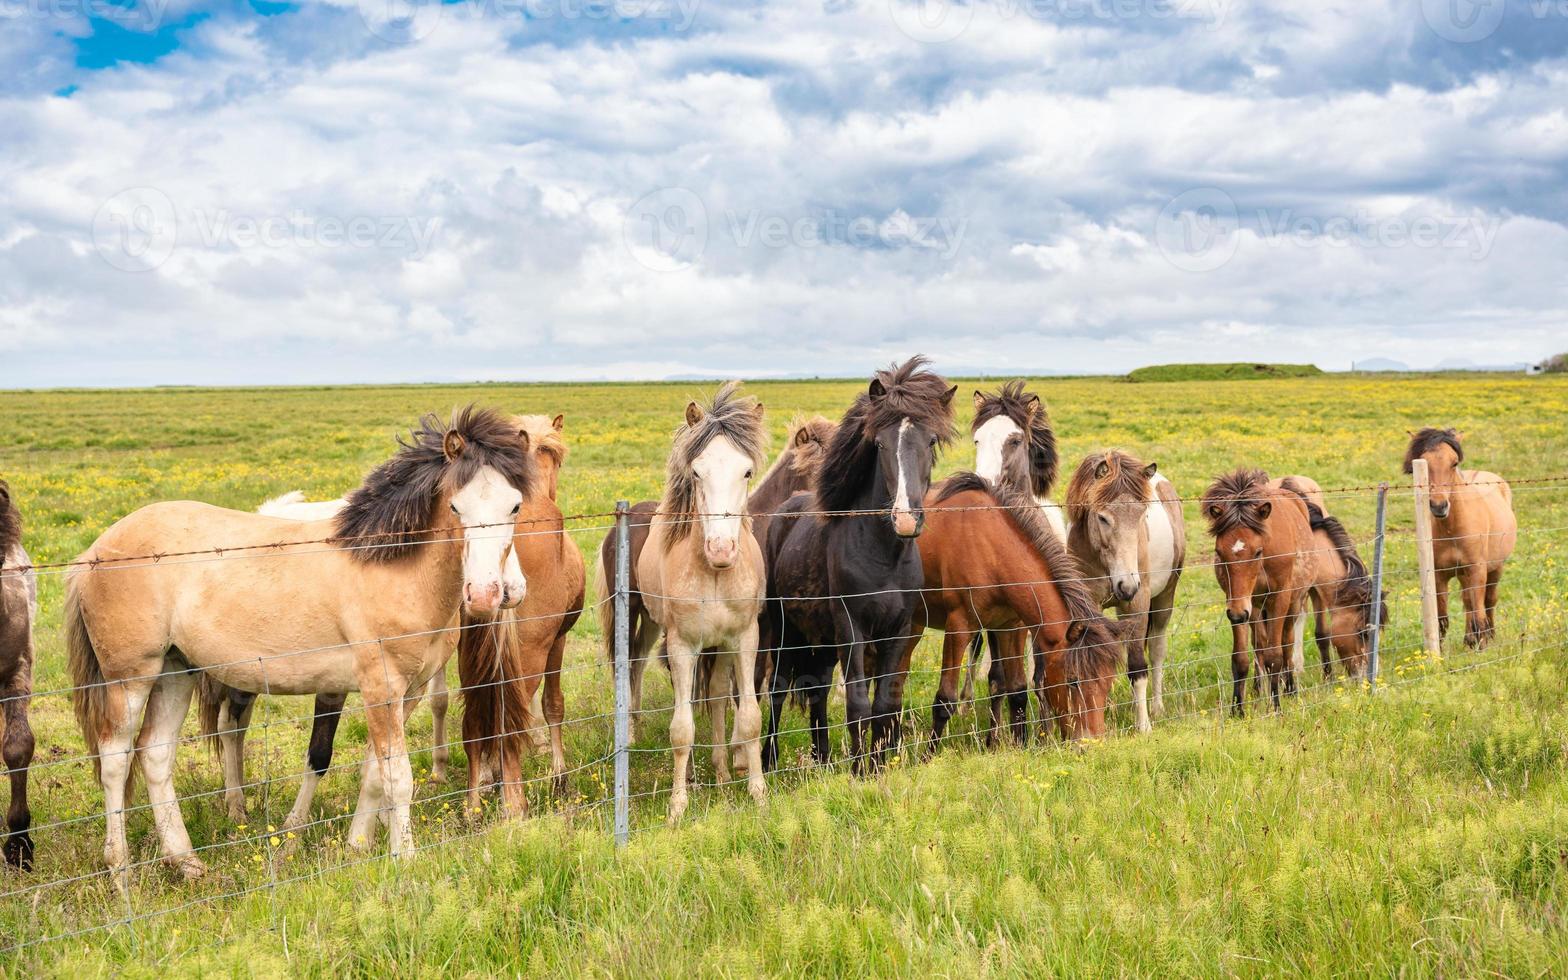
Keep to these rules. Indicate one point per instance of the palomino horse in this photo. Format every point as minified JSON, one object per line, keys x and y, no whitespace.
{"x":1263,"y":560}
{"x":1473,"y":530}
{"x":1344,"y":614}
{"x":18,"y":609}
{"x":1015,"y":446}
{"x":1127,"y":534}
{"x":705,"y":589}
{"x":287,"y":614}
{"x":790,"y":473}
{"x":844,"y":583}
{"x":992,"y":562}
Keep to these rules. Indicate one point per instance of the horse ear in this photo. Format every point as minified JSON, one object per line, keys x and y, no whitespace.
{"x":1265,"y":509}
{"x":693,"y":413}
{"x":522,"y":437}
{"x":1075,"y":630}
{"x":802,"y":436}
{"x":1150,"y":470}
{"x":1102,"y":469}
{"x":452,"y":445}
{"x":947,"y":399}
{"x":979,"y":400}
{"x":757,"y":410}
{"x":558,"y":423}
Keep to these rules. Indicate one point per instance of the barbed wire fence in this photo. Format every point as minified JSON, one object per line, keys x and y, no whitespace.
{"x":616,"y":783}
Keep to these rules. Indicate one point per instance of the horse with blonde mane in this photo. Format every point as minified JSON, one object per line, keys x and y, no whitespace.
{"x":702,"y":581}
{"x":1473,"y":530}
{"x":363,"y":602}
{"x":18,"y":610}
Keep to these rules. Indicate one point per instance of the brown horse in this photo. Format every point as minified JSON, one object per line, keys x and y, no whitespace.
{"x":1263,"y":560}
{"x":791,"y":472}
{"x":501,"y":665}
{"x":1473,"y":530}
{"x":1126,"y":532}
{"x":427,"y":535}
{"x":992,"y":562}
{"x":18,"y":609}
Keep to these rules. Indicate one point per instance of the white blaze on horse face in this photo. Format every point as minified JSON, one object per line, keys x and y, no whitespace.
{"x":990,"y":442}
{"x":904,"y":521}
{"x":723,"y":475}
{"x":492,"y":578}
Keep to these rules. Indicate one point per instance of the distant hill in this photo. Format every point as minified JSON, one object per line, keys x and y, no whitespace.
{"x":1380,"y":364}
{"x":1223,"y":372}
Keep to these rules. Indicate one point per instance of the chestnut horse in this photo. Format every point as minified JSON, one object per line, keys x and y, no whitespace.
{"x":18,"y":609}
{"x":1473,"y":530}
{"x":992,"y":562}
{"x":1263,"y":560}
{"x":1126,"y":533}
{"x":427,"y":535}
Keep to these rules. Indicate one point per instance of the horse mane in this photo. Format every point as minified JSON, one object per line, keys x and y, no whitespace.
{"x":1126,"y":479}
{"x":1429,"y":439}
{"x":543,"y":436}
{"x":1096,"y":652}
{"x":10,"y":522}
{"x":803,"y":460}
{"x":731,"y":415}
{"x":1013,"y":402}
{"x":909,"y":391}
{"x":1355,"y":588}
{"x":1235,"y":494}
{"x":396,"y":505}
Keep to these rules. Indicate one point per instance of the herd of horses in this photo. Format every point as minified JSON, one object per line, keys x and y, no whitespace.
{"x":834,"y":561}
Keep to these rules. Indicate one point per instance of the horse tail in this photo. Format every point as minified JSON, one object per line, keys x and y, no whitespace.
{"x":492,"y":687}
{"x":601,"y":589}
{"x":210,"y":695}
{"x":89,"y":689}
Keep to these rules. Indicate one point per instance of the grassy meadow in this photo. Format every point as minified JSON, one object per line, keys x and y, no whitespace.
{"x":1419,"y":829}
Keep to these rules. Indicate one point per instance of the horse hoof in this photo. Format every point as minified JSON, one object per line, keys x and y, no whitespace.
{"x":238,"y":814}
{"x":190,"y":867}
{"x":759,"y":792}
{"x":19,"y":851}
{"x":677,"y":811}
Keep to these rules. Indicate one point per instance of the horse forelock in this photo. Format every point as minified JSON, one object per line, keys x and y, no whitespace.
{"x":1231,"y":501}
{"x":394,"y":509}
{"x":1012,"y":402}
{"x":1124,"y":480}
{"x":731,"y":416}
{"x":909,"y":392}
{"x":1429,"y":439}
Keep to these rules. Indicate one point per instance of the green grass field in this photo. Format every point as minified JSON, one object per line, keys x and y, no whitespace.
{"x":1418,"y":829}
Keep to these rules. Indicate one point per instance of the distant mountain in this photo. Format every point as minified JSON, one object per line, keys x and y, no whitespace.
{"x":1381,"y":364}
{"x":1465,"y":364}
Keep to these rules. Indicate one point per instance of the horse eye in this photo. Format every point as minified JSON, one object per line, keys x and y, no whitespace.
{"x":454,"y":507}
{"x":748,"y":474}
{"x":517,"y":509}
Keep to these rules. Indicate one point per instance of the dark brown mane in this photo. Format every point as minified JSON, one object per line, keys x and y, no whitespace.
{"x":10,"y":522}
{"x":393,"y":511}
{"x":909,"y":391}
{"x":1124,"y":481}
{"x":1429,"y":439}
{"x":1355,"y":588}
{"x":1236,"y":495}
{"x":1014,"y":402}
{"x":731,"y":415}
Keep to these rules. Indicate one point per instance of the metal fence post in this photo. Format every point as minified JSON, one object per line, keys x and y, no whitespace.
{"x":623,"y":690}
{"x":1377,"y":584}
{"x":1432,"y":637}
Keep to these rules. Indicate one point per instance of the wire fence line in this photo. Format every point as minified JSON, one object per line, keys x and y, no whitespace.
{"x":276,"y":847}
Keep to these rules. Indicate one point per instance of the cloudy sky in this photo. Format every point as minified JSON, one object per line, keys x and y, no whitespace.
{"x":232,"y":191}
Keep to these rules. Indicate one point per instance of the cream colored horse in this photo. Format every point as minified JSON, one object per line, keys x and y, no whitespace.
{"x":703,"y":581}
{"x":283,"y":611}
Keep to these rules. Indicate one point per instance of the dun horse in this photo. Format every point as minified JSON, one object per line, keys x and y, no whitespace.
{"x":843,"y":584}
{"x":992,"y":561}
{"x":1263,"y":560}
{"x":18,"y":609}
{"x":1473,"y":530}
{"x":1127,"y":534}
{"x":703,"y":581}
{"x":790,"y":473}
{"x":428,"y":534}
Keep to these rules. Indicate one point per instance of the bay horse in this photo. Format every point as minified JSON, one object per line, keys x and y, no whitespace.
{"x":792,"y":471}
{"x":1473,"y":530}
{"x":1015,"y":446}
{"x":18,"y":610}
{"x":1345,"y":617}
{"x":1263,"y":561}
{"x":703,"y":581}
{"x":1127,"y":534}
{"x":284,"y":613}
{"x":991,"y":561}
{"x":843,"y":582}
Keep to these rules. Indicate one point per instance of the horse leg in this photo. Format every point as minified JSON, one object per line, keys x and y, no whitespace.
{"x":857,"y":704}
{"x":719,"y":680}
{"x":1159,"y":643}
{"x":979,"y":662}
{"x":1493,"y":577}
{"x":817,"y":705}
{"x":1240,"y":662}
{"x":234,"y":716}
{"x":1320,"y":628}
{"x":1275,"y":660}
{"x":748,"y":715}
{"x":1473,"y":583}
{"x":645,"y":635}
{"x":1137,"y":612}
{"x":1444,"y":576}
{"x":554,"y":703}
{"x":167,"y":705}
{"x":115,"y":751}
{"x":440,"y":752}
{"x":955,"y":648}
{"x":1010,"y":676}
{"x":384,"y":696}
{"x":17,"y":751}
{"x":683,"y":668}
{"x":318,"y":757}
{"x":1298,"y":651}
{"x":373,"y":799}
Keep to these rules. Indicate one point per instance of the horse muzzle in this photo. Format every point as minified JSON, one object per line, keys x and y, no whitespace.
{"x":1440,"y":510}
{"x":1126,"y":589}
{"x":908,"y":523}
{"x":720,"y":553}
{"x":1238,"y":616}
{"x":483,"y":600}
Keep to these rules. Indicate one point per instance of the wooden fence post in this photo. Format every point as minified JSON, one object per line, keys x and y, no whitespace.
{"x":1431,"y":637}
